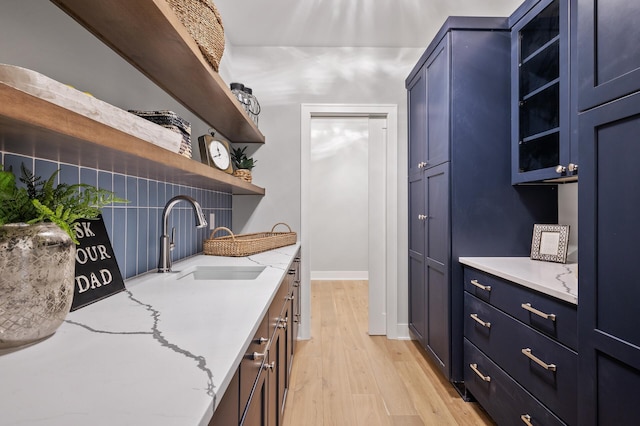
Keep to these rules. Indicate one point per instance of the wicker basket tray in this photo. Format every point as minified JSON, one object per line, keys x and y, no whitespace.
{"x":204,"y":24}
{"x":247,"y":244}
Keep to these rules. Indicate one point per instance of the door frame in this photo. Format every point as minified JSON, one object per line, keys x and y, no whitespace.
{"x":383,"y":301}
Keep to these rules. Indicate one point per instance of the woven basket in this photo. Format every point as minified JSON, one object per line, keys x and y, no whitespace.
{"x":247,"y":244}
{"x":204,"y":24}
{"x":243,"y":174}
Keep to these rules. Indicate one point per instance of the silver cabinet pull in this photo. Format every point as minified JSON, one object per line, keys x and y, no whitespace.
{"x":422,"y":216}
{"x":560,"y":169}
{"x":474,"y":367}
{"x":263,"y":340}
{"x":480,"y":286}
{"x":528,"y":307}
{"x":526,"y":419}
{"x":257,"y":355}
{"x":479,"y":321}
{"x":527,"y":352}
{"x":422,"y":165}
{"x":573,"y":168}
{"x":270,"y":366}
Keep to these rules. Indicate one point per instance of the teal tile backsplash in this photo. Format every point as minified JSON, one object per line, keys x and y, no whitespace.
{"x":134,"y":228}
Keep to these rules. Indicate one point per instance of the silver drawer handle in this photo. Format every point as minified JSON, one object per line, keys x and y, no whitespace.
{"x":474,"y":367}
{"x":257,"y":355}
{"x":526,"y":419}
{"x":528,"y":307}
{"x":541,"y":363}
{"x":479,"y":321}
{"x":480,"y":286}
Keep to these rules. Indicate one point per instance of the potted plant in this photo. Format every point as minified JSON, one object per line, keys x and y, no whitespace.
{"x":37,"y":252}
{"x":242,"y":164}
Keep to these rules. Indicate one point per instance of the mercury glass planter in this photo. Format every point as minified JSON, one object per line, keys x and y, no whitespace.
{"x":37,"y":268}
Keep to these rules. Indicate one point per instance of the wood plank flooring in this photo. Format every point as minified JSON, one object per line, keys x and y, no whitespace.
{"x":343,"y":376}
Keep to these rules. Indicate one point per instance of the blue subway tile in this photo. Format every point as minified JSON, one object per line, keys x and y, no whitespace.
{"x":118,"y":238}
{"x":162,"y":196}
{"x":143,"y":192}
{"x":107,"y":218}
{"x":120,"y":186}
{"x":105,"y":180}
{"x":143,"y":240}
{"x":132,"y":191}
{"x":45,"y":169}
{"x":69,"y":174}
{"x":89,"y":176}
{"x":131,"y":263}
{"x":153,"y":193}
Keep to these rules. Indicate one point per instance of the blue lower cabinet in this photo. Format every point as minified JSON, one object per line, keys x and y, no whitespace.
{"x":534,"y":372}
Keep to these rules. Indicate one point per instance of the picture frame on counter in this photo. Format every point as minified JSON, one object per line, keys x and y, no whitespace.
{"x":550,"y":243}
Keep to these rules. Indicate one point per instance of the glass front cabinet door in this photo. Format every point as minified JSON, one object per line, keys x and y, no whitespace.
{"x":540,"y":89}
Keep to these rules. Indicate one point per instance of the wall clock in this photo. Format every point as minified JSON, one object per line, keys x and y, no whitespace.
{"x":215,"y":153}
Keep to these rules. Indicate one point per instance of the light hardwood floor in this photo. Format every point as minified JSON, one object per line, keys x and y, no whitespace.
{"x":343,"y":376}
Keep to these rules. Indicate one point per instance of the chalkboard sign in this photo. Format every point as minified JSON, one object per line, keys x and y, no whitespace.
{"x":97,"y":272}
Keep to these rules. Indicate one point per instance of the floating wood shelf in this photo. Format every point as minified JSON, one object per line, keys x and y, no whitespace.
{"x":32,"y":126}
{"x":149,"y":35}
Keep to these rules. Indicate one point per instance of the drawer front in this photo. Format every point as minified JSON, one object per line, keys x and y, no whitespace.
{"x":504,"y":339}
{"x":504,"y":399}
{"x":250,"y":366}
{"x":509,"y":297}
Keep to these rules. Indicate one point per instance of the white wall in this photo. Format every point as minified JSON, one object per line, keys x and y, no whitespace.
{"x":283,"y":78}
{"x":568,"y":215}
{"x":338,"y":182}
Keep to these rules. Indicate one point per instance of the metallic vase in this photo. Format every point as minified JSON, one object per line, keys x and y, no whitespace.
{"x":37,"y":268}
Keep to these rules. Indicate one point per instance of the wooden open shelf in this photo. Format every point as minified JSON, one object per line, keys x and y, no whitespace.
{"x":32,"y":126}
{"x":148,"y":34}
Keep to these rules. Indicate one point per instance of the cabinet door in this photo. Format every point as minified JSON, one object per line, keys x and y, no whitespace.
{"x":417,"y":222}
{"x":251,"y":364}
{"x":437,"y":76}
{"x":256,"y":413}
{"x":417,"y":103}
{"x":540,"y":87}
{"x":608,"y":50}
{"x":609,"y":201}
{"x":227,"y":412}
{"x":437,"y":264}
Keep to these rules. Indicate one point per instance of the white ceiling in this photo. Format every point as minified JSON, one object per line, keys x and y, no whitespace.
{"x":349,"y":23}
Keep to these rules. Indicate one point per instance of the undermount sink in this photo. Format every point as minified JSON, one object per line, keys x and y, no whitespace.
{"x":204,"y":273}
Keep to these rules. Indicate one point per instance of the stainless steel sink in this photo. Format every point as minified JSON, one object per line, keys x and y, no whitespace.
{"x":210,"y":273}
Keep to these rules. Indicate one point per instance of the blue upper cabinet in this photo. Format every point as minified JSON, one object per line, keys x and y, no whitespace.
{"x":608,"y":50}
{"x":540,"y":87}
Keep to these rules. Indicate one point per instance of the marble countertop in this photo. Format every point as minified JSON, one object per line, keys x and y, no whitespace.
{"x":554,"y":279}
{"x":160,"y":353}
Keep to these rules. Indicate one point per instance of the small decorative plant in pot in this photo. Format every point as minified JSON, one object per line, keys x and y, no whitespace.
{"x":37,"y":252}
{"x":242,"y":164}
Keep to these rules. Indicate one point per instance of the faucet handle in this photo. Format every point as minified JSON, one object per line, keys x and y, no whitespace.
{"x":172,"y":243}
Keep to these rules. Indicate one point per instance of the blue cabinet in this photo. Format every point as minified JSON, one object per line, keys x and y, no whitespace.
{"x":509,"y":337}
{"x":461,"y":201}
{"x":541,"y":126}
{"x":608,"y":75}
{"x":608,"y":58}
{"x":608,"y":236}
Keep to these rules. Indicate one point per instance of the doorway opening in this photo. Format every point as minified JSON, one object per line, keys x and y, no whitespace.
{"x":376,"y":223}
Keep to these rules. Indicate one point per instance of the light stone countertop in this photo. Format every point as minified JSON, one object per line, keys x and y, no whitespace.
{"x":554,"y":279}
{"x":161,"y":353}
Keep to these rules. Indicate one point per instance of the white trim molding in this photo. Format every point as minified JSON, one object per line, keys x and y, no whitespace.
{"x":383,"y":300}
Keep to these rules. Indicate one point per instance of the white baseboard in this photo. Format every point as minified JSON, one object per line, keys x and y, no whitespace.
{"x":339,"y":275}
{"x":403,"y":332}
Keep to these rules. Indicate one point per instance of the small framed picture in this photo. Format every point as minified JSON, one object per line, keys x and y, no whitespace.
{"x":550,"y":243}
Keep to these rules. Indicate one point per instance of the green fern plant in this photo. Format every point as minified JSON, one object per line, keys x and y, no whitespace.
{"x":43,"y":201}
{"x":240,"y":159}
